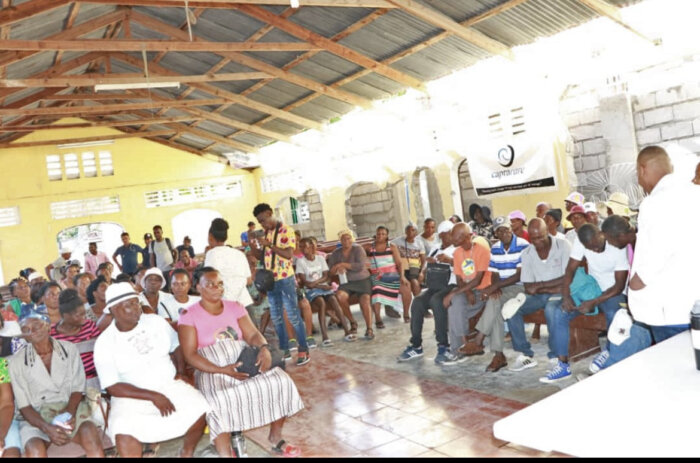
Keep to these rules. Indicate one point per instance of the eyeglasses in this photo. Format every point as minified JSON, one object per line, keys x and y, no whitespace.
{"x":213,"y":285}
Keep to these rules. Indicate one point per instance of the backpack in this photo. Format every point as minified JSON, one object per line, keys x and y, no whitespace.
{"x":155,"y":257}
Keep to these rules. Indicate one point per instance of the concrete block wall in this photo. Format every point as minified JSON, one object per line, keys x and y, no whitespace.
{"x":316,"y":226}
{"x":368,"y":206}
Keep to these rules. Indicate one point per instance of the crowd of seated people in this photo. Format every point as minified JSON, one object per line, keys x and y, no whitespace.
{"x":177,"y":343}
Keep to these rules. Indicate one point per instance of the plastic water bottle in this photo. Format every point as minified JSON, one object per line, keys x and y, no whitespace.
{"x":343,"y":278}
{"x":695,"y":331}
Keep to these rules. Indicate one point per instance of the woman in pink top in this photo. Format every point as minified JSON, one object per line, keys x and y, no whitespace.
{"x":212,"y":335}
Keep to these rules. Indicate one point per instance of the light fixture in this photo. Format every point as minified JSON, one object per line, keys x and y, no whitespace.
{"x":83,"y":144}
{"x":136,"y":85}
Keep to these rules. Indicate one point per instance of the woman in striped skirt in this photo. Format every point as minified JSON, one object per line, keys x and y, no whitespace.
{"x":213,"y":333}
{"x":386,"y":276}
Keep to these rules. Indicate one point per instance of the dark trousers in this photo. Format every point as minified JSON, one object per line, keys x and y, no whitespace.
{"x":430,"y":298}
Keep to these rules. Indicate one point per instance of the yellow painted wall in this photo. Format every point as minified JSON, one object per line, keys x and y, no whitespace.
{"x":140,"y":166}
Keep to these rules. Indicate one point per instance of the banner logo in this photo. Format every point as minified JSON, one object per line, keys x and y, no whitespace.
{"x":506,"y":156}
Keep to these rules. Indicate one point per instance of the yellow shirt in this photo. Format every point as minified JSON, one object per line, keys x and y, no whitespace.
{"x":285,"y":239}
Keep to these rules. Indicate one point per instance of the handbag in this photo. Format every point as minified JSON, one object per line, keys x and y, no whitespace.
{"x":437,"y":276}
{"x":264,"y":278}
{"x":249,"y":356}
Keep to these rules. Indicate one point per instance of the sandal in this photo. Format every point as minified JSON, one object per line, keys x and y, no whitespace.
{"x":353,"y":327}
{"x":380,"y":325}
{"x":326,"y":343}
{"x":350,"y":337}
{"x":369,"y":334}
{"x":289,"y":451}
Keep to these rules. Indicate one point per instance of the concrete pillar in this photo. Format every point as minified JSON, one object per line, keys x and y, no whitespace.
{"x":617,"y":124}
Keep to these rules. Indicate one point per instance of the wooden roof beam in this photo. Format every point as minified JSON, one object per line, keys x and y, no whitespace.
{"x":233,"y":97}
{"x":28,"y":9}
{"x":442,"y":21}
{"x":231,"y":4}
{"x":162,"y":141}
{"x":153,"y":133}
{"x":331,"y":46}
{"x":253,"y":63}
{"x":77,"y":110}
{"x":74,"y":9}
{"x":84,"y":125}
{"x":612,"y":12}
{"x":152,"y":45}
{"x":88,"y":80}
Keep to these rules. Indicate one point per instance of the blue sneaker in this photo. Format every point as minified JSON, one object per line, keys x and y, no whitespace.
{"x":445,"y":357}
{"x":410,"y":353}
{"x":598,"y":362}
{"x":293,"y":345}
{"x":560,"y":371}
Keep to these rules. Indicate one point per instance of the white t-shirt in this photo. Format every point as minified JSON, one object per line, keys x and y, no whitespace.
{"x":140,"y":357}
{"x":312,"y":270}
{"x":233,"y":266}
{"x":602,"y":265}
{"x":169,"y":307}
{"x":431,"y":244}
{"x":163,"y":256}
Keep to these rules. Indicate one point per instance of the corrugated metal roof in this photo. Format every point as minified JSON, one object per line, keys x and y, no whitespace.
{"x":384,"y":37}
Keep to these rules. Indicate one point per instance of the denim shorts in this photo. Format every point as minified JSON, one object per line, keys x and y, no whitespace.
{"x":313,"y":293}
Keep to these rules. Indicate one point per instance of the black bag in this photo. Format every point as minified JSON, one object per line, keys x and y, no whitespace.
{"x":264,"y":278}
{"x":249,"y":356}
{"x":437,"y":276}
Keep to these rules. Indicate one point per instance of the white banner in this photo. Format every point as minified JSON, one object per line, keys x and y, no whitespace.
{"x":514,"y":168}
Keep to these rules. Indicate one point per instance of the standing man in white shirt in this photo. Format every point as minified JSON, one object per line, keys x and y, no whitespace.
{"x":663,"y":286}
{"x":161,"y":251}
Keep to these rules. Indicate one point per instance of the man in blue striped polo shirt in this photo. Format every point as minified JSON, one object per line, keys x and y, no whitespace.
{"x":505,"y":262}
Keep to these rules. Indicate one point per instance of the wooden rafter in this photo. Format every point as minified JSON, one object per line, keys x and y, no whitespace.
{"x":10,"y":57}
{"x":197,"y":13}
{"x":111,"y":123}
{"x":442,"y":21}
{"x":253,"y":63}
{"x":233,"y":97}
{"x":222,"y":120}
{"x":78,"y":110}
{"x":333,"y":47}
{"x":4,"y":35}
{"x":74,"y":9}
{"x":153,"y":133}
{"x":612,"y":12}
{"x":230,"y":3}
{"x":403,"y":54}
{"x":26,"y":10}
{"x":88,"y":80}
{"x":152,"y":45}
{"x":162,"y":141}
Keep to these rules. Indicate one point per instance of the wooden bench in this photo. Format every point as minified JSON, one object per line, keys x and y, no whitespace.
{"x":583,"y":332}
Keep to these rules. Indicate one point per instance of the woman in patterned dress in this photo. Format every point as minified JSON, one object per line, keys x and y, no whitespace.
{"x":212,"y":335}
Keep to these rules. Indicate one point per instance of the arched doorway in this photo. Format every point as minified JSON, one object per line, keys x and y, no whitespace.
{"x":107,"y":235}
{"x":427,"y":200}
{"x":195,"y":223}
{"x":467,"y":193}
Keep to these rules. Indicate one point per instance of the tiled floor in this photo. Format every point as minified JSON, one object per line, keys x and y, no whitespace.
{"x":360,"y":409}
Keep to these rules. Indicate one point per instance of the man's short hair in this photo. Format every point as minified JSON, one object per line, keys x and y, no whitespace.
{"x":157,"y":227}
{"x":92,"y":242}
{"x":123,"y":278}
{"x":587,"y":232}
{"x":124,"y":234}
{"x":554,"y":214}
{"x":251,"y":224}
{"x":429,"y":219}
{"x":616,"y":225}
{"x":260,"y":208}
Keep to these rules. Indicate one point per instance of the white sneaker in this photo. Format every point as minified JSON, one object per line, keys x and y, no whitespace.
{"x":512,"y":306}
{"x":523,"y":362}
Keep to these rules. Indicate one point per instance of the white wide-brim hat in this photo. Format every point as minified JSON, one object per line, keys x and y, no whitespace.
{"x":119,"y":292}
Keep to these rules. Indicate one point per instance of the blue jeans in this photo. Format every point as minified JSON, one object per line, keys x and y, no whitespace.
{"x":284,"y":296}
{"x":640,"y":338}
{"x":561,"y":320}
{"x":516,"y":325}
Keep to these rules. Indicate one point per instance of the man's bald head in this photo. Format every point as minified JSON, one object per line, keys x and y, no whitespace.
{"x":653,"y":163}
{"x":460,"y":233}
{"x":539,"y":236}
